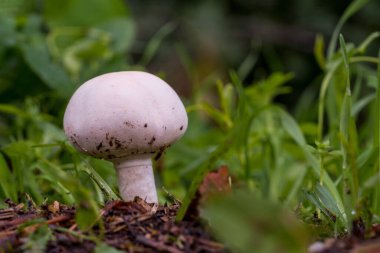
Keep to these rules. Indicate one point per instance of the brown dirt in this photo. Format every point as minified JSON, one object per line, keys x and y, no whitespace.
{"x":131,"y":226}
{"x":360,"y":240}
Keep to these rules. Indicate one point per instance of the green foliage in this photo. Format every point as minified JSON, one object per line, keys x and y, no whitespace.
{"x":325,"y":168}
{"x":75,"y":47}
{"x":49,"y":55}
{"x":329,"y":170}
{"x":70,"y":13}
{"x":245,"y":222}
{"x":102,"y":247}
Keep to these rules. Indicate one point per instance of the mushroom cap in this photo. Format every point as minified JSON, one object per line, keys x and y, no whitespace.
{"x":121,"y":114}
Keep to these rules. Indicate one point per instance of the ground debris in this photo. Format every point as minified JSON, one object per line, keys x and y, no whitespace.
{"x":217,"y":182}
{"x":134,"y":226}
{"x":359,"y":241}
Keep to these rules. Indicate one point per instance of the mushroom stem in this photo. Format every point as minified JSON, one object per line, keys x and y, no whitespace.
{"x":136,"y":178}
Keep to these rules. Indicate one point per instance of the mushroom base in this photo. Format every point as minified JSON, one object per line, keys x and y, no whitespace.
{"x":136,"y":178}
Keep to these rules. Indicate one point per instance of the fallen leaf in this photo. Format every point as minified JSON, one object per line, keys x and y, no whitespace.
{"x":217,"y":182}
{"x":214,"y":183}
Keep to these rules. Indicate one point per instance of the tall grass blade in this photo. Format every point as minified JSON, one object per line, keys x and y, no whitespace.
{"x":363,"y":46}
{"x":319,"y":51}
{"x":351,"y":183}
{"x":247,"y":65}
{"x":322,"y":96}
{"x":155,"y":43}
{"x":100,"y":182}
{"x":290,"y":126}
{"x":354,"y":7}
{"x":361,"y":104}
{"x":376,"y":140}
{"x":6,"y":181}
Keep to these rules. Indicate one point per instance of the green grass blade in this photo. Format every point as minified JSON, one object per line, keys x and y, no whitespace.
{"x":291,"y":126}
{"x":315,"y":200}
{"x":328,"y":200}
{"x":155,"y":43}
{"x":346,"y":128}
{"x":102,"y":247}
{"x":346,"y":109}
{"x":361,"y":104}
{"x":363,"y":46}
{"x":104,"y":187}
{"x":376,"y":141}
{"x":354,"y":7}
{"x":219,"y":117}
{"x":7,"y":179}
{"x":248,"y":63}
{"x":376,"y":137}
{"x":319,"y":51}
{"x":322,"y":96}
{"x":296,"y":186}
{"x":10,"y":109}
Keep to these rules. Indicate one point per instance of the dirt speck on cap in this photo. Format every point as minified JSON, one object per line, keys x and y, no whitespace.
{"x":100,"y":145}
{"x":129,"y":124}
{"x":152,"y":140}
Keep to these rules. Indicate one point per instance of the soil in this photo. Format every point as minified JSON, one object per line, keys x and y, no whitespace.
{"x":360,"y":240}
{"x":130,"y":226}
{"x":138,"y":226}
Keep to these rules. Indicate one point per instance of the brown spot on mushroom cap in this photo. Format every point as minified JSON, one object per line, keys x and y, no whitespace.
{"x":146,"y":125}
{"x":111,"y":156}
{"x":152,"y":140}
{"x":181,"y":128}
{"x":118,"y":143}
{"x":129,"y":124}
{"x":99,"y":146}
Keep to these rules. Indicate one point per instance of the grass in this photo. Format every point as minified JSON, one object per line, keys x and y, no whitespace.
{"x":325,"y":167}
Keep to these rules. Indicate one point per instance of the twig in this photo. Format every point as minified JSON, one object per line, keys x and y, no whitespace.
{"x":157,"y":245}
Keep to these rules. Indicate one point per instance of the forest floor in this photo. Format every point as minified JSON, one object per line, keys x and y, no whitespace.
{"x":134,"y":226}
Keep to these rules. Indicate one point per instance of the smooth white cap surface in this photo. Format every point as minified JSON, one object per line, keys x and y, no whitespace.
{"x":123,"y":114}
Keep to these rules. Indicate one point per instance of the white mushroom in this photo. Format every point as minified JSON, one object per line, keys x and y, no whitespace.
{"x":126,"y":117}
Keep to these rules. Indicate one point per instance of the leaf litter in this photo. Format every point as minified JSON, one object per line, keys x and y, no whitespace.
{"x":138,"y":226}
{"x":135,"y":226}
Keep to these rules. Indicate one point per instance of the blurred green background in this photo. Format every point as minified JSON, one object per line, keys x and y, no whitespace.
{"x":257,"y":82}
{"x":218,"y":35}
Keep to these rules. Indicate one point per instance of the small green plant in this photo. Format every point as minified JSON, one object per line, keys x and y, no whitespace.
{"x":326,"y":168}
